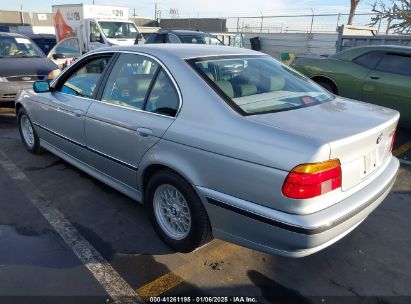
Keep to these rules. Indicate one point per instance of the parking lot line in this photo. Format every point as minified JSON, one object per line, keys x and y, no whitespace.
{"x":185,"y":271}
{"x":109,"y":279}
{"x":402,"y":149}
{"x":6,"y":110}
{"x":405,"y":162}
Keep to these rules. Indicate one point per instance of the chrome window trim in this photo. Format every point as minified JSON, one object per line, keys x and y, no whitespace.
{"x":132,"y":109}
{"x":244,"y":56}
{"x":180,"y":96}
{"x":86,"y":98}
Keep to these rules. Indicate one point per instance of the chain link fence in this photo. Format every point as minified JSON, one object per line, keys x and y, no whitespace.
{"x":314,"y":23}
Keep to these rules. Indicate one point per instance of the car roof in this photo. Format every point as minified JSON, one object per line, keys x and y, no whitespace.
{"x":182,"y":51}
{"x":354,"y":52}
{"x":46,"y":36}
{"x":13,"y":35}
{"x":182,"y":31}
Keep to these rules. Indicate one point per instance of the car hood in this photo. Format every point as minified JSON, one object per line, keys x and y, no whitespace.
{"x":26,"y":66}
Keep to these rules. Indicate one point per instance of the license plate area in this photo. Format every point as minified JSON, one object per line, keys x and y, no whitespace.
{"x":371,"y":163}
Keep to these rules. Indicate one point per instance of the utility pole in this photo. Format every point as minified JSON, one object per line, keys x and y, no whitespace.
{"x":312,"y":22}
{"x":21,"y":14}
{"x":155,"y":11}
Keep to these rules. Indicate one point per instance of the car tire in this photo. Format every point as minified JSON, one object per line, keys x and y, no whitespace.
{"x":176,"y":212}
{"x":28,"y":135}
{"x":328,"y":85}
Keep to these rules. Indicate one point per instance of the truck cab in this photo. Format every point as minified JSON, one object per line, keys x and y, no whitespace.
{"x":108,"y":33}
{"x":94,"y":26}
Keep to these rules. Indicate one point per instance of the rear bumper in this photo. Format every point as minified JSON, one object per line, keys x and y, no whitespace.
{"x":276,"y":232}
{"x":10,"y":90}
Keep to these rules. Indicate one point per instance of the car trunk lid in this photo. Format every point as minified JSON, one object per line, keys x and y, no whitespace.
{"x":359,"y":134}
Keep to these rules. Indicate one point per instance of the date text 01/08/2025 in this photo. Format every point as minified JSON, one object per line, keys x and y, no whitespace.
{"x":239,"y":299}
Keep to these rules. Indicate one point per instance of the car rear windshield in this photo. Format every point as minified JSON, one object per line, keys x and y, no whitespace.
{"x":199,"y":39}
{"x":259,"y":84}
{"x":15,"y":47}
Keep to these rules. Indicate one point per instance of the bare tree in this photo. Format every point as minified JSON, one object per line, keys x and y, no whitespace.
{"x":397,"y":15}
{"x":354,"y":4}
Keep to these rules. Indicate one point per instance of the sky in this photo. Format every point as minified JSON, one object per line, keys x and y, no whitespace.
{"x":204,"y":8}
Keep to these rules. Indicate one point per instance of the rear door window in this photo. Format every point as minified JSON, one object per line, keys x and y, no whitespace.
{"x":160,"y":38}
{"x":173,"y":38}
{"x":163,"y":97}
{"x":369,"y":60}
{"x":395,"y":64}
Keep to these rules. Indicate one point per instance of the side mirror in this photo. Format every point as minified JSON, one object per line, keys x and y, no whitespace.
{"x":93,"y":38}
{"x":41,"y":86}
{"x":101,"y":39}
{"x":58,"y":56}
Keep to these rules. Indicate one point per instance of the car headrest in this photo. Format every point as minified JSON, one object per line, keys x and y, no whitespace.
{"x":274,"y":83}
{"x":210,"y":75}
{"x":226,"y":87}
{"x":247,"y":89}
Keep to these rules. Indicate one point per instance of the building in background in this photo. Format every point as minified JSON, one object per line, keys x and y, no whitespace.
{"x":26,"y":23}
{"x":210,"y":25}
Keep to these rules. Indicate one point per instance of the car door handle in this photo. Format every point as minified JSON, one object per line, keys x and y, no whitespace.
{"x":144,"y":132}
{"x":374,"y":77}
{"x":78,"y":113}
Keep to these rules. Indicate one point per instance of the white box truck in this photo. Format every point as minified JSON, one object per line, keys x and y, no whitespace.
{"x":95,"y":26}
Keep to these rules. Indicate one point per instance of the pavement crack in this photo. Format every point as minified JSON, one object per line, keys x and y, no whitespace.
{"x":350,"y":288}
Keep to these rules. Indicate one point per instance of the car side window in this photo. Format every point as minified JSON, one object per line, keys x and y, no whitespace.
{"x":83,"y":81}
{"x":369,"y":60}
{"x":151,"y":38}
{"x":163,"y":97}
{"x":395,"y":64}
{"x":173,"y":38}
{"x":160,"y":38}
{"x":69,"y":47}
{"x":130,"y":81}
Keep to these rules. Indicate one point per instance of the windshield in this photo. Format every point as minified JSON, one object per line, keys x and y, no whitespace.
{"x":259,"y":84}
{"x":15,"y":47}
{"x":200,"y":39}
{"x":122,"y":30}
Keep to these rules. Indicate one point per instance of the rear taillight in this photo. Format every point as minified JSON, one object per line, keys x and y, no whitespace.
{"x":311,"y":180}
{"x":392,"y":140}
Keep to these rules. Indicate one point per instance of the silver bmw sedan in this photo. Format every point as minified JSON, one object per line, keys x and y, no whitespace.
{"x":217,"y":141}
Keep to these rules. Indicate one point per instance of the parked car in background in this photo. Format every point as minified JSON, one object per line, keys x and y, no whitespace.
{"x":44,"y":41}
{"x":218,"y":141}
{"x":377,"y":74}
{"x":65,"y":52}
{"x":21,"y":63}
{"x":182,"y":36}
